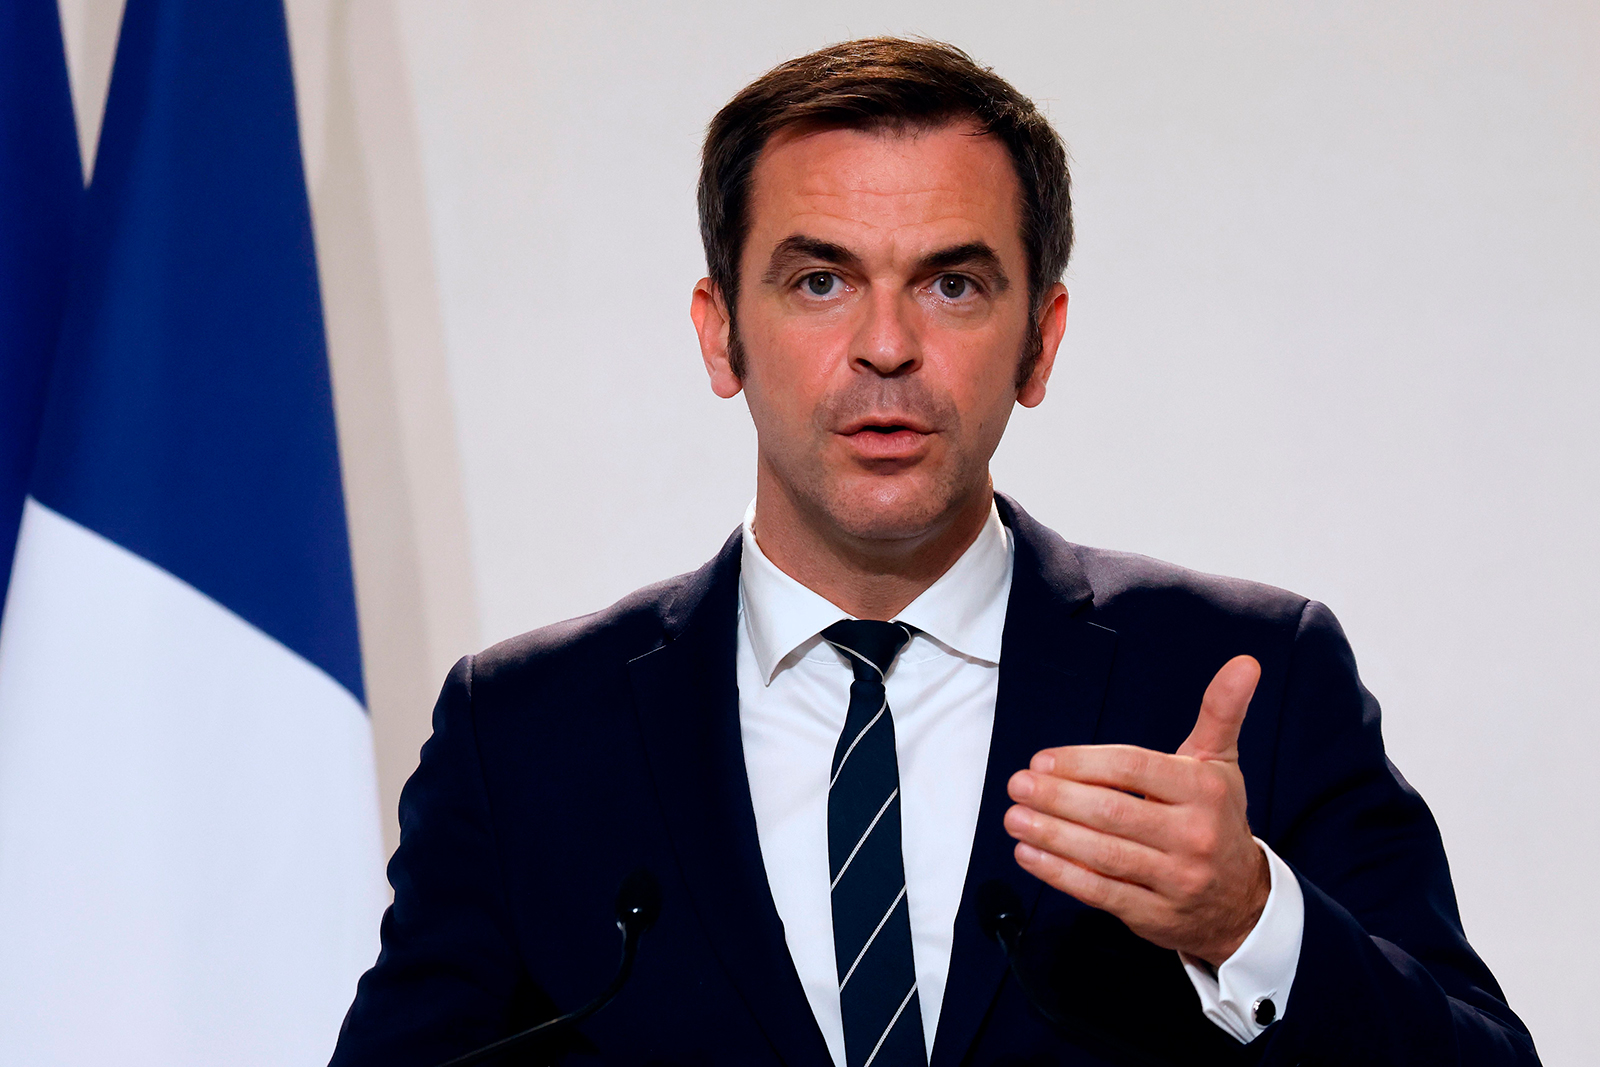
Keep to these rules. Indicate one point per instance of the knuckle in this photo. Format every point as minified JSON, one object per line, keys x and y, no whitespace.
{"x":1127,"y":763}
{"x":1105,"y":807}
{"x":1058,"y":872}
{"x":1109,"y":854}
{"x":1044,"y":832}
{"x":1092,"y":891}
{"x":1204,"y":839}
{"x":1192,"y":881}
{"x":1058,"y":838}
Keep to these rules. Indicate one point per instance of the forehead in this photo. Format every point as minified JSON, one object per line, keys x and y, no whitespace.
{"x":886,"y":191}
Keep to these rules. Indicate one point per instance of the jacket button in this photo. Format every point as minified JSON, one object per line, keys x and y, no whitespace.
{"x":1264,"y":1011}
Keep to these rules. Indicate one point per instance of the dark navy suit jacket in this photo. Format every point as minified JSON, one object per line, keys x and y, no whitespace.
{"x":564,"y":759}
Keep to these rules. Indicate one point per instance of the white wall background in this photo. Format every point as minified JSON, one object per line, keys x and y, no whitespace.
{"x":1334,"y":326}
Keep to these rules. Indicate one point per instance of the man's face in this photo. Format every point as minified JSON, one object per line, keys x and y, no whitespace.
{"x":883,"y":311}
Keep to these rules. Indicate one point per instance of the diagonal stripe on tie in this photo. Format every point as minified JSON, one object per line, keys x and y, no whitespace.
{"x":871,"y":920}
{"x":863,"y":838}
{"x":845,"y":758}
{"x":883,"y":1038}
{"x":876,"y":931}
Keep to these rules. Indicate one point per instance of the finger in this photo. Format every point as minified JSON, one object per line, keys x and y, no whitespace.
{"x":1127,"y":767}
{"x":1216,"y":731}
{"x":1103,"y":853}
{"x":1098,"y":807}
{"x":1096,"y":890}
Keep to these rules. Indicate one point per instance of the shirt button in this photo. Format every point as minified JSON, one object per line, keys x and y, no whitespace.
{"x":1264,"y":1011}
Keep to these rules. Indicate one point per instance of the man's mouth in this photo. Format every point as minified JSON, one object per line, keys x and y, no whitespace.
{"x":886,"y":439}
{"x":886,"y":424}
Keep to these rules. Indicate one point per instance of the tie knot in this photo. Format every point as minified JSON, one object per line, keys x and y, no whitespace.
{"x":870,"y":645}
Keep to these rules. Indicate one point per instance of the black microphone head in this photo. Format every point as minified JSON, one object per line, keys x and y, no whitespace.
{"x":638,"y":902}
{"x":1000,"y":913}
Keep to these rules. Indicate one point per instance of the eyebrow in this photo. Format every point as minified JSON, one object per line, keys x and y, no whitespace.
{"x":799,"y":248}
{"x":975,"y":254}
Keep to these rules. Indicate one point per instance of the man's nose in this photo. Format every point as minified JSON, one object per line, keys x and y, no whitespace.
{"x":886,"y":341}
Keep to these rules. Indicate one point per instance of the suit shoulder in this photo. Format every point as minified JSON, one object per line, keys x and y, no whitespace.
{"x":1129,"y":587}
{"x":629,"y":628}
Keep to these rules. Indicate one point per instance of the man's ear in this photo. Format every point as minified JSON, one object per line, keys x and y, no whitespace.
{"x":713,"y":325}
{"x":1052,"y":324}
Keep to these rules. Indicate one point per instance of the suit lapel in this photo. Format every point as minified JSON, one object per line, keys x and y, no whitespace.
{"x":1053,"y":669}
{"x":686,"y":693}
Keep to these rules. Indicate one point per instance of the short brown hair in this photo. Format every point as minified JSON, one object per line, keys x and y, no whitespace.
{"x":888,"y":83}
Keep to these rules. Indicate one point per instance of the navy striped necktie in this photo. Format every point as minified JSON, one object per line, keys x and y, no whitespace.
{"x":871,"y":919}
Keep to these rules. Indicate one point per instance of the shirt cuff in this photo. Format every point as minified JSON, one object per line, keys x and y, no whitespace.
{"x":1236,"y":995}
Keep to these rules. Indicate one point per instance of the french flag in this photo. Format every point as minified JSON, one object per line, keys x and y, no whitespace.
{"x":190,"y":856}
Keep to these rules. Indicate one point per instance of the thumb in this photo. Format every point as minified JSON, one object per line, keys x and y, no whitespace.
{"x":1216,"y":732}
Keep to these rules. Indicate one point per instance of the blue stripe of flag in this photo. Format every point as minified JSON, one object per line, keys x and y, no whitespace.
{"x":41,"y":186}
{"x":190,"y":417}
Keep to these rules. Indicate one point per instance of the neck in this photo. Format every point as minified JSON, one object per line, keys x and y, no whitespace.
{"x":871,"y":578}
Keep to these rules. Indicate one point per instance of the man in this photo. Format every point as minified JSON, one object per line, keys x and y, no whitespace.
{"x":893,"y":692}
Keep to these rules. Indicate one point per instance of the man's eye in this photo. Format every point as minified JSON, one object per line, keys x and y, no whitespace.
{"x":821,"y":283}
{"x":954,"y":286}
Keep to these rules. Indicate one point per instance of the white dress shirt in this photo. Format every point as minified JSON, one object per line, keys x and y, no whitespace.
{"x":794,"y":691}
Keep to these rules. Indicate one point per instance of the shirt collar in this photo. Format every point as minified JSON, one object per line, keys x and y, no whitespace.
{"x":965,"y":610}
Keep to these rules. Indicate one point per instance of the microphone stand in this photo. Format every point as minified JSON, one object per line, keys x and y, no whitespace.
{"x":638,"y":905}
{"x":1000,"y":914}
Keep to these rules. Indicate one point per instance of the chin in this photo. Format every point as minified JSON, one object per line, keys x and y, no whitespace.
{"x":876,"y":512}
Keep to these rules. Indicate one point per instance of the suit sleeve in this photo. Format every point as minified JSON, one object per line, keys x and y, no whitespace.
{"x":1385,"y":974}
{"x":447,"y":979}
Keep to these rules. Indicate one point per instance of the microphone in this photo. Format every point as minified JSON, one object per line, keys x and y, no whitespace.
{"x":1001,"y":917}
{"x":1003,"y":920}
{"x":638,"y":906}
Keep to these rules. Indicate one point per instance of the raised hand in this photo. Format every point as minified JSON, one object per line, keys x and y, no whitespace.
{"x":1160,"y":841}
